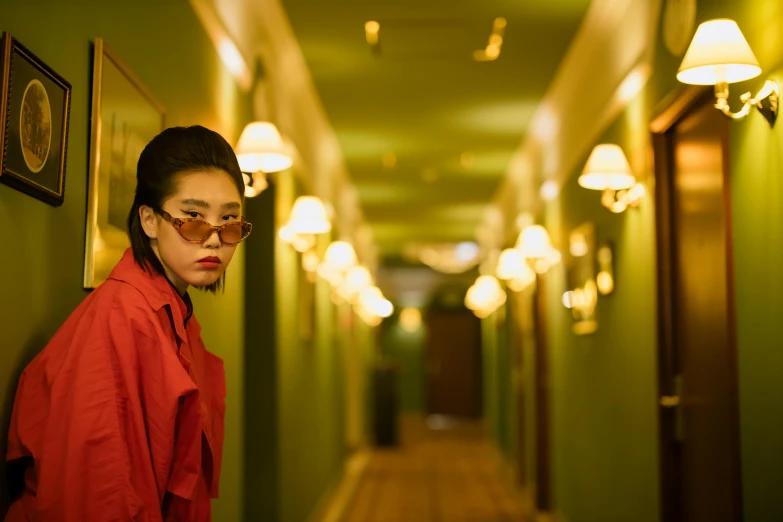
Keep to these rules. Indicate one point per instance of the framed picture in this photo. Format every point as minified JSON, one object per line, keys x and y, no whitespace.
{"x":35,"y":106}
{"x":125,"y":117}
{"x":583,"y":294}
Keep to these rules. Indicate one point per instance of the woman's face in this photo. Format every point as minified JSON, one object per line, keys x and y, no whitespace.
{"x":209,"y":195}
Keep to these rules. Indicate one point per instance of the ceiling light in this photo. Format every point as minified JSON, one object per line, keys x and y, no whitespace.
{"x":371,"y":30}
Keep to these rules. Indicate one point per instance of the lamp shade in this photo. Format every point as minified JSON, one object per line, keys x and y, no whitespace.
{"x":340,"y":256}
{"x":261,"y":148}
{"x":718,"y":52}
{"x":607,"y":168}
{"x":510,"y":264}
{"x":534,"y":242}
{"x":309,"y":216}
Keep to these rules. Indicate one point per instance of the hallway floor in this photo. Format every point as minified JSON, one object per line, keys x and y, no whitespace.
{"x":449,"y":474}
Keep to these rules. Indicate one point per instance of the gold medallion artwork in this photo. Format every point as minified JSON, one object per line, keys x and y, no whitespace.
{"x":35,"y":126}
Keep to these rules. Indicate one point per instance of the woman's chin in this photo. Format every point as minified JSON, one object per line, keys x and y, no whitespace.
{"x":204,"y":279}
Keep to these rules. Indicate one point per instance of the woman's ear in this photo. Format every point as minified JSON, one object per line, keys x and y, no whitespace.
{"x":149,"y":221}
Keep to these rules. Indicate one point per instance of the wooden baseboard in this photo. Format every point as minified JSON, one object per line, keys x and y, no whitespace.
{"x":337,"y":499}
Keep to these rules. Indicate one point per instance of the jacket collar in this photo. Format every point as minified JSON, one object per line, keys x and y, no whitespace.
{"x":156,"y":289}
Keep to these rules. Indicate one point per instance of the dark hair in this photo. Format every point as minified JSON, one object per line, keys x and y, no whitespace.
{"x":163,"y":160}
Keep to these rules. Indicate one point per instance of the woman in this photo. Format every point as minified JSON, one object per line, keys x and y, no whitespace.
{"x":120,"y":417}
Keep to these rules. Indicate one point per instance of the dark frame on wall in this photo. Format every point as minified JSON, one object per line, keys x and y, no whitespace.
{"x":35,"y":105}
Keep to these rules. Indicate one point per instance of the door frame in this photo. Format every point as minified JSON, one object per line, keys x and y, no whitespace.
{"x":675,"y":108}
{"x":542,"y":387}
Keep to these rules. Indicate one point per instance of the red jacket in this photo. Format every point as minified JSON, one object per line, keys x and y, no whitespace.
{"x":122,"y":412}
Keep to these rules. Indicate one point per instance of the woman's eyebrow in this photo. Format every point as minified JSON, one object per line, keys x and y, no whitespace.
{"x":195,"y":202}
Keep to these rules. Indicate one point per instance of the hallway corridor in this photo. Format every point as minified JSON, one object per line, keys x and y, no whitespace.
{"x":436,"y":475}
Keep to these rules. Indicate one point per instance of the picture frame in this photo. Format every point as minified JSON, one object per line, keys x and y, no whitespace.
{"x":125,"y":116}
{"x":581,"y":274}
{"x":35,"y":105}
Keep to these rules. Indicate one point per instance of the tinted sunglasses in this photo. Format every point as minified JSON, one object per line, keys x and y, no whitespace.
{"x":197,"y":230}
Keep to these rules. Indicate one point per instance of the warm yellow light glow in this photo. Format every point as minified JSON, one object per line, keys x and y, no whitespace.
{"x":308,"y":216}
{"x":718,"y":53}
{"x":550,"y":190}
{"x":254,"y":185}
{"x":605,"y":283}
{"x":534,"y":242}
{"x":357,"y":279}
{"x":301,"y":243}
{"x":372,"y":302}
{"x":261,"y":148}
{"x":371,"y":30}
{"x":310,"y":261}
{"x":485,"y":296}
{"x":578,"y":245}
{"x":607,"y":168}
{"x":233,"y":59}
{"x":634,"y":82}
{"x":499,"y":24}
{"x":410,"y":319}
{"x":340,"y":256}
{"x":492,"y":51}
{"x":510,"y":264}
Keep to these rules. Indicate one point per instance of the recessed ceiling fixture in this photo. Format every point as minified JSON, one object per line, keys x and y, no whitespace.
{"x":371,"y":32}
{"x":492,"y":51}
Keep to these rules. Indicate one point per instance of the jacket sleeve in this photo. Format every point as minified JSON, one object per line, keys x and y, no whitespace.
{"x":92,"y":467}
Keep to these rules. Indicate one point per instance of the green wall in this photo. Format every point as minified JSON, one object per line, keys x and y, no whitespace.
{"x":166,"y":47}
{"x":757,"y":200}
{"x":407,"y":348}
{"x":490,"y":378}
{"x":604,"y":386}
{"x":310,"y":410}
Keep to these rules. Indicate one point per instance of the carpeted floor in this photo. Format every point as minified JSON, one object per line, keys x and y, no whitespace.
{"x":448,"y":474}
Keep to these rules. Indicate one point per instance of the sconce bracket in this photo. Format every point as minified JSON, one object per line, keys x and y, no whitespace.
{"x":766,"y":101}
{"x":619,"y":200}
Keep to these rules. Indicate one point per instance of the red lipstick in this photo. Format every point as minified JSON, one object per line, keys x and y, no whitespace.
{"x":211,"y":262}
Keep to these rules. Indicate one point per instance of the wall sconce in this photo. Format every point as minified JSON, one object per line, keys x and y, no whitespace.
{"x":485,"y":296}
{"x":514,"y":270}
{"x":309,"y":216}
{"x":720,"y":55}
{"x":261,"y":150}
{"x":607,"y":169}
{"x":536,"y":247}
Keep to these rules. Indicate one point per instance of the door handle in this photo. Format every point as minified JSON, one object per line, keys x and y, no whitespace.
{"x":670,"y":401}
{"x":675,"y":402}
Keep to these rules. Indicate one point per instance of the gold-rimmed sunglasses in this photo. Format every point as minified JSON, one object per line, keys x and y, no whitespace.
{"x":197,"y":230}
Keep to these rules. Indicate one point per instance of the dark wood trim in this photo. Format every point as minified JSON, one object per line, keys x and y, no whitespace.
{"x":731,"y":316}
{"x":676,"y":105}
{"x":675,"y":108}
{"x":668,"y":451}
{"x":543,"y":443}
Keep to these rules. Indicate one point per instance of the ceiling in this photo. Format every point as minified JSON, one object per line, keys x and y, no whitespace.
{"x":427,"y":132}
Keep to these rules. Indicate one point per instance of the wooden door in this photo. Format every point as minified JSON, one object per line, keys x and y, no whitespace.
{"x":700,"y":469}
{"x":453,"y":363}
